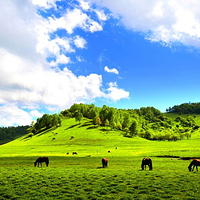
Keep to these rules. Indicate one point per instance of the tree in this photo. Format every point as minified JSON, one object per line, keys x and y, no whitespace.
{"x":126,"y":121}
{"x":98,"y":121}
{"x":119,"y":126}
{"x":78,"y":116}
{"x":31,"y":129}
{"x":107,"y":123}
{"x":133,"y":128}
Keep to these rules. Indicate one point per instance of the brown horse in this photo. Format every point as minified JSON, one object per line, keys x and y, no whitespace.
{"x":40,"y":160}
{"x":146,"y":161}
{"x":194,"y":163}
{"x":104,"y":162}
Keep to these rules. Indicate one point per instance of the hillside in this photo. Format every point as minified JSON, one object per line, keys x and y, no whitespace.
{"x":89,"y":140}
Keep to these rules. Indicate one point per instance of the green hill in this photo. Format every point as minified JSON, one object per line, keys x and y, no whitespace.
{"x":90,"y":140}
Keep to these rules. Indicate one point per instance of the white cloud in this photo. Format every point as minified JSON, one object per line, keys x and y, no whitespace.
{"x":80,"y":58}
{"x":35,"y":113}
{"x":84,"y":5}
{"x":115,"y":93}
{"x":80,"y":42}
{"x":11,"y":113}
{"x":60,"y":59}
{"x":162,"y":21}
{"x":45,"y":3}
{"x":73,"y":19}
{"x":17,"y":25}
{"x":29,"y":83}
{"x":101,"y":15}
{"x":114,"y":70}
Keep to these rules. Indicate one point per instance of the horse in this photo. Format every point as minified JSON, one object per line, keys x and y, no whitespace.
{"x":40,"y":160}
{"x":194,"y":163}
{"x":104,"y":162}
{"x":146,"y":161}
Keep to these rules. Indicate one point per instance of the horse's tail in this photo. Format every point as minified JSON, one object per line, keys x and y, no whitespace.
{"x":47,"y":161}
{"x":142,"y":165}
{"x":150,"y":164}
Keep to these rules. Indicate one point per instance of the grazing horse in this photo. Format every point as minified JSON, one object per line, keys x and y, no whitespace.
{"x":194,"y":163}
{"x":40,"y":160}
{"x":146,"y":161}
{"x":104,"y":162}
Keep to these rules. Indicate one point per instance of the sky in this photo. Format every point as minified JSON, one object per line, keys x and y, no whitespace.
{"x":124,"y":54}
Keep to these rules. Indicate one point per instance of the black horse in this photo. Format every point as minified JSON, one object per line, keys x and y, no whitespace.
{"x":146,"y":161}
{"x":104,"y":162}
{"x":40,"y":160}
{"x":194,"y":163}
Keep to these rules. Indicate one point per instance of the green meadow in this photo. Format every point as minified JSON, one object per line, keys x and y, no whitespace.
{"x":81,"y":176}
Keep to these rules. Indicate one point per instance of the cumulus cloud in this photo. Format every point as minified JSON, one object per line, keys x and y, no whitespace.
{"x":84,"y":5}
{"x":45,"y":3}
{"x":80,"y":42}
{"x":27,"y":81}
{"x":115,"y":93}
{"x":101,"y":15}
{"x":162,"y":21}
{"x":114,"y":70}
{"x":12,"y":115}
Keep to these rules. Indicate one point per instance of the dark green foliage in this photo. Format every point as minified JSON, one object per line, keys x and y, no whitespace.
{"x":185,"y":108}
{"x":8,"y":134}
{"x":147,"y":122}
{"x":78,"y":116}
{"x":126,"y":121}
{"x":45,"y":122}
{"x":133,"y":128}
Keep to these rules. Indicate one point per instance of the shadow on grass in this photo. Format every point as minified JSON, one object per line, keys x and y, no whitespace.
{"x":45,"y":131}
{"x":72,"y":126}
{"x":104,"y":130}
{"x":101,"y":167}
{"x":85,"y":124}
{"x":92,"y":127}
{"x":181,"y":158}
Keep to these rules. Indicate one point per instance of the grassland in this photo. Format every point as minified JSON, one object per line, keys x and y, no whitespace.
{"x":82,"y":177}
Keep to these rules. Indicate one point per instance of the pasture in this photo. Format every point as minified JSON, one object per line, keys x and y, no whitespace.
{"x":81,"y":176}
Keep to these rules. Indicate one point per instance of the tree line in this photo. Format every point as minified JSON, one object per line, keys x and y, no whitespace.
{"x":45,"y":122}
{"x":185,"y":108}
{"x":146,"y":122}
{"x":8,"y":134}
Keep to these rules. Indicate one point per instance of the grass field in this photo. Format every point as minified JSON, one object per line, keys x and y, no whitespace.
{"x":82,"y":177}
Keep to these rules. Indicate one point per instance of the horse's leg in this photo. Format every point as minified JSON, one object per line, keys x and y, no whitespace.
{"x":197,"y":167}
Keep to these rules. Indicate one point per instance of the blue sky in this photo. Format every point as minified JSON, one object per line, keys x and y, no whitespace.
{"x":125,"y":54}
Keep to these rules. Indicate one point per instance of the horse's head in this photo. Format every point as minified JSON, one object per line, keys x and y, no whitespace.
{"x":35,"y":163}
{"x":190,"y":168}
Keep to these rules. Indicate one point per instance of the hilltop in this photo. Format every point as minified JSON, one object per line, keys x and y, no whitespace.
{"x":148,"y":123}
{"x":90,"y":140}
